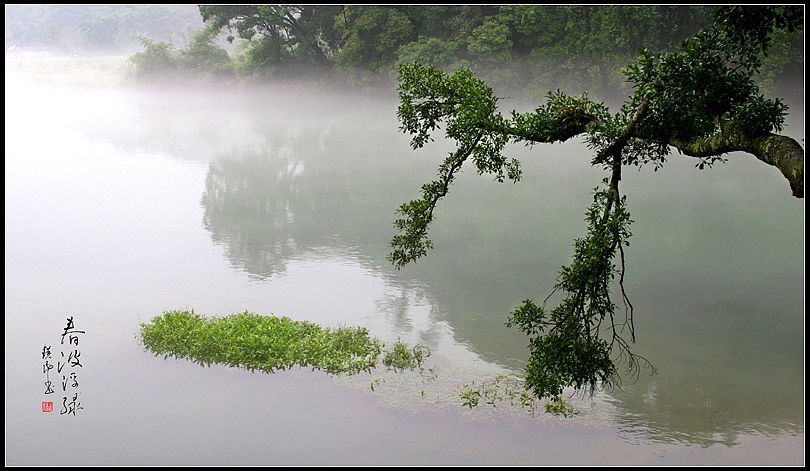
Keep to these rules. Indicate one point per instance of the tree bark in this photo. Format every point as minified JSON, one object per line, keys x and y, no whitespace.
{"x":782,"y":152}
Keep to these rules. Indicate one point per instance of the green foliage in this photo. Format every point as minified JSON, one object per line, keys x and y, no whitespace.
{"x":402,"y":357}
{"x":470,"y":398}
{"x":159,"y":61}
{"x":690,"y":88}
{"x":200,"y":61}
{"x":281,"y":39}
{"x":562,"y":117}
{"x":490,"y":41}
{"x":203,"y":56}
{"x":750,"y":29}
{"x":468,"y":108}
{"x":700,"y":98}
{"x":443,"y":54}
{"x":372,"y":35}
{"x":264,"y":343}
{"x":525,"y":49}
{"x":758,"y":115}
{"x":711,"y":78}
{"x":566,"y":348}
{"x":503,"y":390}
{"x":558,"y":406}
{"x":580,"y":47}
{"x":569,"y":44}
{"x":565,"y":344}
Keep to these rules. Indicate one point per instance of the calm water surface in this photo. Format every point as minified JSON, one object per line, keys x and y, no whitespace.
{"x":121,"y":205}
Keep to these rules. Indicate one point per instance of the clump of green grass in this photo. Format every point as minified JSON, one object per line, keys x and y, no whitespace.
{"x":402,"y":357}
{"x":256,"y":342}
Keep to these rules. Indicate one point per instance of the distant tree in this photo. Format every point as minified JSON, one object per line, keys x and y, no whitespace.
{"x":526,"y":49}
{"x":200,"y":61}
{"x":205,"y":60}
{"x":700,"y":99}
{"x":100,"y":32}
{"x":442,"y":53}
{"x":280,"y":36}
{"x":158,"y":62}
{"x":375,"y":35}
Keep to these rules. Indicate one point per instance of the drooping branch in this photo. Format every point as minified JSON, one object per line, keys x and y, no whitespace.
{"x":618,"y":237}
{"x":413,"y":242}
{"x":678,"y":100}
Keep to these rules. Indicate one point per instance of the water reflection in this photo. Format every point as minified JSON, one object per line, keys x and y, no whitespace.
{"x":298,"y":203}
{"x":250,"y":209}
{"x":727,"y":367}
{"x":299,"y":195}
{"x":720,"y":345}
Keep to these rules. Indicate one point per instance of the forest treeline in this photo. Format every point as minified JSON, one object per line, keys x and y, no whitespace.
{"x":526,"y":49}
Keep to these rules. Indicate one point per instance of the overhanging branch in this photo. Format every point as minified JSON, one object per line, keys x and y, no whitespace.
{"x":782,"y":152}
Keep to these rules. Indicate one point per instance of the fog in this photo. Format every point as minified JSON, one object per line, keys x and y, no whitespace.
{"x":125,"y":201}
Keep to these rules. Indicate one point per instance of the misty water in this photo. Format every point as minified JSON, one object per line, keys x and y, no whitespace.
{"x":122,"y":204}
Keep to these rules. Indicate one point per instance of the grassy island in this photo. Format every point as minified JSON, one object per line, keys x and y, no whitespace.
{"x":269,"y":343}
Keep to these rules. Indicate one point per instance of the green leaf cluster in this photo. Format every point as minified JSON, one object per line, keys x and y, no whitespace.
{"x":402,"y":357}
{"x":710,"y":78}
{"x":562,"y":117}
{"x":466,"y":109}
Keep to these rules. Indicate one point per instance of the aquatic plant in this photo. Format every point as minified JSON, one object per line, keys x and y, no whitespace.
{"x":401,"y":356}
{"x":269,"y":343}
{"x":260,"y":342}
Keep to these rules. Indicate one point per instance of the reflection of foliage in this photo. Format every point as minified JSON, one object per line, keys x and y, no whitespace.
{"x":258,"y":203}
{"x":715,"y":403}
{"x":251,"y":207}
{"x":306,"y":181}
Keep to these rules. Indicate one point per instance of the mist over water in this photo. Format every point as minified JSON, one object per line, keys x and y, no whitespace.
{"x":124,"y":203}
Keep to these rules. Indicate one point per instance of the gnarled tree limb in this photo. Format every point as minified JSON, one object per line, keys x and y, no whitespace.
{"x":782,"y":152}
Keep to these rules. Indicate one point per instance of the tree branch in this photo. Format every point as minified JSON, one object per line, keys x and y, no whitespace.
{"x":413,"y":242}
{"x":782,"y":152}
